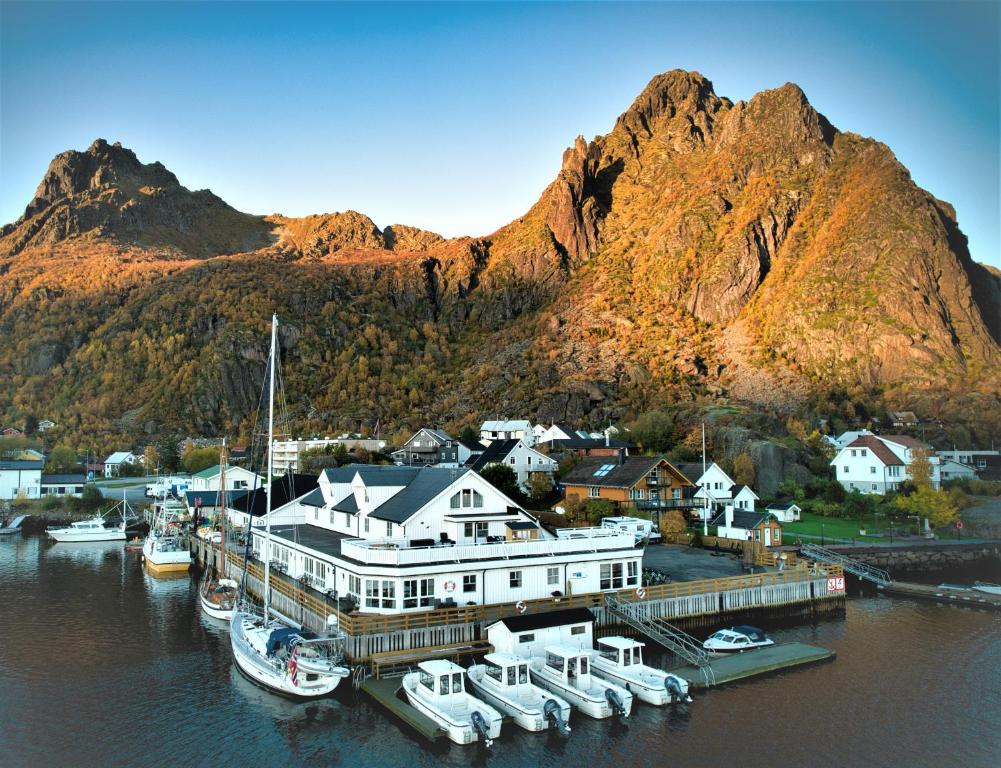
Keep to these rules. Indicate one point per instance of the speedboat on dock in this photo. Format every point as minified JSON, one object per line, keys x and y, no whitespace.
{"x":567,"y":673}
{"x":737,"y":640}
{"x":620,"y":660}
{"x":503,"y":681}
{"x":437,"y":689}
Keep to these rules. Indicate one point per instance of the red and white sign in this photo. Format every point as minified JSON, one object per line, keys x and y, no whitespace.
{"x":836,"y":584}
{"x":959,"y":525}
{"x":450,"y":586}
{"x":520,"y":606}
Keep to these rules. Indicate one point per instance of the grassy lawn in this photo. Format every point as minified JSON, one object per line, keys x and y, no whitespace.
{"x":831,"y":527}
{"x":125,"y":483}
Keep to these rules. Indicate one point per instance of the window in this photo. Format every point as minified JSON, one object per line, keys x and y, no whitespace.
{"x":863,"y":452}
{"x":846,"y":470}
{"x":482,"y":530}
{"x":512,"y":675}
{"x":872,"y":470}
{"x":611,"y":576}
{"x":853,"y":453}
{"x":418,"y":592}
{"x":371,"y":593}
{"x":453,"y":503}
{"x":632,"y":573}
{"x":469,"y":582}
{"x":354,"y":586}
{"x":331,"y":517}
{"x":316,"y":513}
{"x":427,"y":680}
{"x":494,"y":671}
{"x":388,"y":594}
{"x":555,"y":662}
{"x":527,"y":638}
{"x":366,"y":525}
{"x":552,"y":575}
{"x":577,"y":630}
{"x":511,"y":461}
{"x":874,"y":486}
{"x":467,"y":497}
{"x":347,"y":519}
{"x":583,"y":665}
{"x":443,"y":685}
{"x":389,"y":529}
{"x":636,"y":493}
{"x":603,"y":470}
{"x":529,"y":460}
{"x":514,"y":579}
{"x":523,"y":673}
{"x":457,"y":682}
{"x":594,"y":492}
{"x":467,"y":529}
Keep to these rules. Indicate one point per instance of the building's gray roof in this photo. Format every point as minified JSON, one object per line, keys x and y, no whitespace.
{"x":690,"y":469}
{"x":578,"y":443}
{"x":427,"y":483}
{"x":735,"y":491}
{"x":495,"y":453}
{"x":782,"y":505}
{"x":21,"y":464}
{"x":619,"y":475}
{"x":63,"y":479}
{"x":473,"y":445}
{"x":212,"y":498}
{"x":348,"y":504}
{"x":320,"y":539}
{"x":743,"y":518}
{"x":314,"y":498}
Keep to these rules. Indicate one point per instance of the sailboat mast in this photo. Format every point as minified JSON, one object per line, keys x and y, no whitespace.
{"x":705,"y":489}
{"x":271,"y":433}
{"x":222,"y":486}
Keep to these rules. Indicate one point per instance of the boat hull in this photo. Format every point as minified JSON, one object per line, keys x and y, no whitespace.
{"x":223,"y":614}
{"x":592,"y":706}
{"x":644,"y":690}
{"x":458,"y":731}
{"x":68,"y":535}
{"x":531,"y":718}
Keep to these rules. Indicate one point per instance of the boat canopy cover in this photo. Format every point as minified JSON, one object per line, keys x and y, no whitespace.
{"x":285,"y":637}
{"x":752,"y":632}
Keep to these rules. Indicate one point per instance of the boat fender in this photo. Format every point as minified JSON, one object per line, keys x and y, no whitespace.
{"x":675,"y":689}
{"x":480,"y":726}
{"x":551,"y":710}
{"x":615,"y":702}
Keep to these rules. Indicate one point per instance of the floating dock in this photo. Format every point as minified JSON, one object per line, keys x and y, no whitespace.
{"x":737,"y":666}
{"x":384,"y":690}
{"x":943,"y":594}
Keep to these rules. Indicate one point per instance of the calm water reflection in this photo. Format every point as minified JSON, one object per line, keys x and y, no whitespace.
{"x":102,"y":665}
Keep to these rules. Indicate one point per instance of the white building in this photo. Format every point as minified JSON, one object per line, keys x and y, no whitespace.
{"x":423,"y":448}
{"x":287,"y":452}
{"x":715,"y":485}
{"x":976,"y":459}
{"x":113,"y":464}
{"x":237,"y":479}
{"x":555,"y":432}
{"x":529,"y":634}
{"x":63,"y":484}
{"x":784,"y":511}
{"x":954,"y":470}
{"x":397,"y":539}
{"x":515,"y":429}
{"x":880,"y":463}
{"x":741,"y":525}
{"x":21,"y":478}
{"x":523,"y":460}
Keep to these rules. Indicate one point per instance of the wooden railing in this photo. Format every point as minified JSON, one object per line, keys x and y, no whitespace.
{"x":364,"y":624}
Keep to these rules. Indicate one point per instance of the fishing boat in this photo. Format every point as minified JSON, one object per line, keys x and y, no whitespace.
{"x":95,"y":529}
{"x":437,"y":689}
{"x":165,"y":550}
{"x":14,"y":526}
{"x":567,"y":672}
{"x":219,"y":595}
{"x":620,"y":660}
{"x":267,"y":648}
{"x":504,"y":682}
{"x":736,"y":640}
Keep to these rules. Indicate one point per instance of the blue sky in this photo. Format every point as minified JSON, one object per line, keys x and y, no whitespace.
{"x":454,"y":117}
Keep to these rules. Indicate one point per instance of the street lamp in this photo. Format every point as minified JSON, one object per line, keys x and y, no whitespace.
{"x":822,"y":541}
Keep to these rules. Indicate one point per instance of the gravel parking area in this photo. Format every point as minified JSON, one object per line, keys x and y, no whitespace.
{"x":689,"y":563}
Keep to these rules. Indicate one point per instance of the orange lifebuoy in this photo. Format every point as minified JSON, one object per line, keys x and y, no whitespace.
{"x":520,"y":606}
{"x":450,"y":586}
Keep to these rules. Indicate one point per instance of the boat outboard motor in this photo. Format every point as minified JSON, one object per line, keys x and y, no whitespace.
{"x":675,"y":690}
{"x":615,"y":702}
{"x":480,"y":726}
{"x":551,"y":710}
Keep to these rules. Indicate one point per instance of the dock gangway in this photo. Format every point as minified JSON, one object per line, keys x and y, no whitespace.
{"x":637,"y":615}
{"x":877,"y":576}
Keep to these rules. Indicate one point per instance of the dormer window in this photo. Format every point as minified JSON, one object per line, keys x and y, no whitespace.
{"x":466,"y":498}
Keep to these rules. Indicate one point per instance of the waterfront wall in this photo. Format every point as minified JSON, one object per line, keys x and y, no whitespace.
{"x":923,"y":558}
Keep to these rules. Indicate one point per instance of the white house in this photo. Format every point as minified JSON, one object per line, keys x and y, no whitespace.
{"x":21,"y":478}
{"x":286,"y":452}
{"x":845,"y":438}
{"x":516,"y":454}
{"x":529,"y":634}
{"x":784,"y":511}
{"x":879,"y":463}
{"x":46,"y":424}
{"x":555,"y":432}
{"x":398,"y":539}
{"x":516,"y":429}
{"x":955,"y":470}
{"x":113,"y":464}
{"x":714,"y":484}
{"x":741,"y":525}
{"x":976,"y":459}
{"x":743,"y":497}
{"x":237,"y":479}
{"x":63,"y":484}
{"x":423,"y":448}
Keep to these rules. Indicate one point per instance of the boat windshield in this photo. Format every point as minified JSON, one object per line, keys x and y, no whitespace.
{"x":637,"y":655}
{"x":523,"y":673}
{"x":494,"y":671}
{"x":583,"y":665}
{"x":511,"y":675}
{"x":457,"y":682}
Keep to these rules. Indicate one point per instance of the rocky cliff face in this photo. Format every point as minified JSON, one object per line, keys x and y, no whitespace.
{"x":702,"y":248}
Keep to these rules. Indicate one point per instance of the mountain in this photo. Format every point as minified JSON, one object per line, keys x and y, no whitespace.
{"x":702,"y":251}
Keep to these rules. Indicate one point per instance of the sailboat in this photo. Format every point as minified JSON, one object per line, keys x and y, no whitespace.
{"x":282,"y":658}
{"x":218,"y":595}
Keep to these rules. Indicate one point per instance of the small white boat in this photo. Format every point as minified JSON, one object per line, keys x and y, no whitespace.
{"x":14,"y":526}
{"x":503,"y":681}
{"x":987,"y":587}
{"x":88,"y":530}
{"x":567,"y":672}
{"x":286,"y":660}
{"x":437,"y":689}
{"x":620,"y":660}
{"x":737,"y":640}
{"x":219,"y":597}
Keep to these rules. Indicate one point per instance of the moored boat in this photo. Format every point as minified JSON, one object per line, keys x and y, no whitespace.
{"x":987,"y":587}
{"x":88,"y":530}
{"x":504,"y":682}
{"x":620,"y":660}
{"x":437,"y":689}
{"x":737,"y":640}
{"x":165,"y":550}
{"x":14,"y":526}
{"x":218,"y":598}
{"x":567,"y":672}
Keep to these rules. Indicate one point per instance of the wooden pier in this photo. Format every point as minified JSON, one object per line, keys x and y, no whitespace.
{"x":738,"y":666}
{"x":385,"y":691}
{"x":942,"y":594}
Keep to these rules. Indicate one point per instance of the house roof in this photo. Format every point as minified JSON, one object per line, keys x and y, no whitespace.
{"x":288,"y":488}
{"x":521,"y":525}
{"x":743,"y":518}
{"x":21,"y":464}
{"x":506,"y":425}
{"x":312,"y":536}
{"x":314,"y":498}
{"x":878,"y":448}
{"x":66,"y":479}
{"x":495,"y":453}
{"x":573,"y":443}
{"x":738,"y":489}
{"x":208,"y":472}
{"x":611,"y":473}
{"x":529,"y":621}
{"x":117,"y":457}
{"x":212,"y":498}
{"x":425,"y":484}
{"x":691,"y":469}
{"x":438,"y":434}
{"x":907,"y":441}
{"x":473,"y":445}
{"x":782,"y":506}
{"x":348,"y":504}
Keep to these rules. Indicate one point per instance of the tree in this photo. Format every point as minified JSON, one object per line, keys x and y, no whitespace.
{"x":920,"y":468}
{"x":859,"y":506}
{"x":198,"y":459}
{"x":89,"y":500}
{"x":30,"y":424}
{"x":151,"y":459}
{"x":654,"y":431}
{"x":540,"y":488}
{"x":469,"y":433}
{"x":167,"y":451}
{"x":504,"y":479}
{"x":62,"y":459}
{"x":937,"y":506}
{"x":743,"y":469}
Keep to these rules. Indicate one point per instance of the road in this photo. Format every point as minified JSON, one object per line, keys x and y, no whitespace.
{"x":134,"y":492}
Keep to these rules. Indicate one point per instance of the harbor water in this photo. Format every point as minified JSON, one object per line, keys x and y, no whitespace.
{"x":102,"y":665}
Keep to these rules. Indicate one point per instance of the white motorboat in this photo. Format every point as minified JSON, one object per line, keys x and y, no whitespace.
{"x":269,"y":651}
{"x":88,"y":530}
{"x":567,"y":673}
{"x":503,"y":681}
{"x":736,"y":640}
{"x":987,"y":588}
{"x":166,"y":550}
{"x":437,"y":689}
{"x":218,"y":598}
{"x":283,"y":659}
{"x":620,"y":660}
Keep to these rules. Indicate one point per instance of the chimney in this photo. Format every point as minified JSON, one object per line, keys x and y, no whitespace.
{"x":621,"y":454}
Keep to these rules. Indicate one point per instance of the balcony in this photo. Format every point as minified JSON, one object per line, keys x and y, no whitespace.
{"x":667,"y":503}
{"x":396,"y":552}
